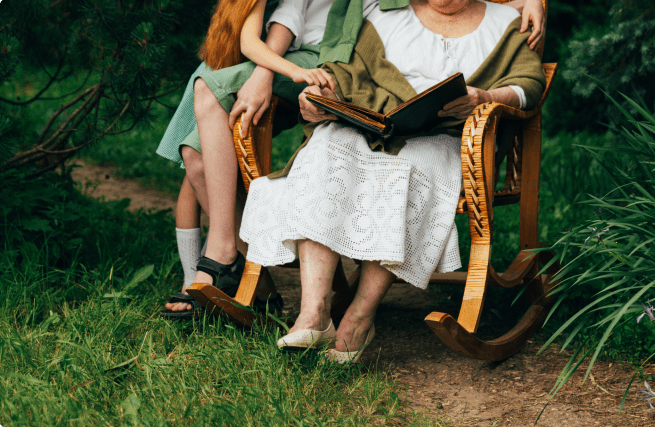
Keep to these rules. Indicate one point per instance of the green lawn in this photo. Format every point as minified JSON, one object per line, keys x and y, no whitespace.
{"x":82,"y":343}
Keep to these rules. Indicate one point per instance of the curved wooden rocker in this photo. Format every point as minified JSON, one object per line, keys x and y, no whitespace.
{"x":478,"y":199}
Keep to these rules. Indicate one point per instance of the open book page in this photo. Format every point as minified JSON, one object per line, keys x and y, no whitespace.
{"x":351,"y":112}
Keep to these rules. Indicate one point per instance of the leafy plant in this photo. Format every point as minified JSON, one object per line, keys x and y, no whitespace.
{"x":612,"y":254}
{"x":122,"y":50}
{"x":596,"y":43}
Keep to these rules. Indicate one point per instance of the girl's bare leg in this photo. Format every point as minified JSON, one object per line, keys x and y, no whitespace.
{"x":187,"y":210}
{"x":220,"y":173}
{"x":187,"y":217}
{"x":195,"y":175}
{"x":317,"y":266}
{"x":374,"y":283}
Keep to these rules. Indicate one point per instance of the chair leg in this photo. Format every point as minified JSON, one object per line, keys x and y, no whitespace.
{"x":255,"y":279}
{"x":477,"y":164}
{"x":531,"y":168}
{"x":476,"y":287}
{"x":455,"y":336}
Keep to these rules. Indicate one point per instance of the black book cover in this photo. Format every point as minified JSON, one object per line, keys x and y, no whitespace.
{"x":416,"y":115}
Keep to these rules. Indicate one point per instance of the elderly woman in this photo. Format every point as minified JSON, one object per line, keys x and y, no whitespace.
{"x":390,"y":204}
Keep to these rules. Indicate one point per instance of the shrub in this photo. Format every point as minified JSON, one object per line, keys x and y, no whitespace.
{"x":610,"y":258}
{"x":125,"y":55}
{"x":606,"y":43}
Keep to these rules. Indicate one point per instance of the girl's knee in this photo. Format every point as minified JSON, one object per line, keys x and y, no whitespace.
{"x":203,"y":97}
{"x":200,"y":87}
{"x":192,"y":163}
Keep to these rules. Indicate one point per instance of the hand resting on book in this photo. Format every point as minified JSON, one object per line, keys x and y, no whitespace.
{"x":464,"y":105}
{"x":461,"y":107}
{"x":309,"y":111}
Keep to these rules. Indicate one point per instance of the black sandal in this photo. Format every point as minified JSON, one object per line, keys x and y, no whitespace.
{"x":184,"y":314}
{"x":225,"y":277}
{"x":228,"y":277}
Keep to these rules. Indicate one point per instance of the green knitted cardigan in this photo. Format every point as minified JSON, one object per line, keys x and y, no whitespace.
{"x":370,"y":80}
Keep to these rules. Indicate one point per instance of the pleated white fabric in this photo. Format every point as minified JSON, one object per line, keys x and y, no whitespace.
{"x":363,"y":204}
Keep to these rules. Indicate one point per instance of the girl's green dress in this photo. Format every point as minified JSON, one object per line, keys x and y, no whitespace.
{"x":343,"y":24}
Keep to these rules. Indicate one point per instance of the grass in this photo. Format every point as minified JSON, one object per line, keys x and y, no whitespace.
{"x":112,"y":361}
{"x":82,"y":343}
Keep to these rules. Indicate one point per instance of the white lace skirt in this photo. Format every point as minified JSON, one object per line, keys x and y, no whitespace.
{"x":366,"y":205}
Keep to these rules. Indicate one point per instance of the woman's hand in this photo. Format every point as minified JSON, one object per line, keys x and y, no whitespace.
{"x":254,"y":97}
{"x":311,"y":112}
{"x":314,"y":77}
{"x":533,"y":11}
{"x":462,"y":106}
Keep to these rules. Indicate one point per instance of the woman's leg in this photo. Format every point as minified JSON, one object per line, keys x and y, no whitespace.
{"x":317,"y":266}
{"x":187,"y":223}
{"x":374,"y":283}
{"x":220,"y":173}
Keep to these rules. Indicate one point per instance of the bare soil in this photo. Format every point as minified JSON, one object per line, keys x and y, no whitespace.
{"x":434,"y":379}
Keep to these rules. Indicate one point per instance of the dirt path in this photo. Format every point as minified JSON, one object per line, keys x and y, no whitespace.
{"x":435,"y":379}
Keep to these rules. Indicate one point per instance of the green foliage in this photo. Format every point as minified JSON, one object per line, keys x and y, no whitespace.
{"x":82,"y":343}
{"x":285,"y":145}
{"x":8,"y":55}
{"x":622,"y":58}
{"x":609,"y":259}
{"x":126,"y":49}
{"x":45,"y":223}
{"x":600,"y":43}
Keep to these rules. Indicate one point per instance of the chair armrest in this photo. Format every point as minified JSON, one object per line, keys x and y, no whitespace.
{"x":508,"y":112}
{"x":254,"y":149}
{"x":478,"y":150}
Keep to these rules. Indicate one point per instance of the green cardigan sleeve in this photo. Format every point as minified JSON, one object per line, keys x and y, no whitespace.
{"x":512,"y":63}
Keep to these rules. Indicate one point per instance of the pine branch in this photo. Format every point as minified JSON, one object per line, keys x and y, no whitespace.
{"x":33,"y":154}
{"x":38,"y":95}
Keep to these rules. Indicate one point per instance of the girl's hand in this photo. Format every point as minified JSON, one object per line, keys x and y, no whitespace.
{"x":462,"y":106}
{"x":311,"y":112}
{"x":533,"y":11}
{"x":254,"y":97}
{"x":314,"y":77}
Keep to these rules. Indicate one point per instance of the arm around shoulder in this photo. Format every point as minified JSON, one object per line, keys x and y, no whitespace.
{"x":515,"y":64}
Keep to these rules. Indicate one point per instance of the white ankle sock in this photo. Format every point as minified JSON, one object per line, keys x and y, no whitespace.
{"x":188,"y":245}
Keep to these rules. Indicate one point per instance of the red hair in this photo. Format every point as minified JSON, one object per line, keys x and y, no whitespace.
{"x":222,"y":46}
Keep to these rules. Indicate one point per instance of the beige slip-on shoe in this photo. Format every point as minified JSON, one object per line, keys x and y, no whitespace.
{"x":308,"y":338}
{"x":350,"y":356}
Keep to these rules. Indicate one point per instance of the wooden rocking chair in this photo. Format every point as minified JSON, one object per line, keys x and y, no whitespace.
{"x":479,"y":198}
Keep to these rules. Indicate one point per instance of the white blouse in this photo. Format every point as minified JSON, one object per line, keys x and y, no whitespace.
{"x":304,"y":18}
{"x":426,"y":58}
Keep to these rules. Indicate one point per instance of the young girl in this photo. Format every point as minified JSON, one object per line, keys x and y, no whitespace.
{"x":235,"y":29}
